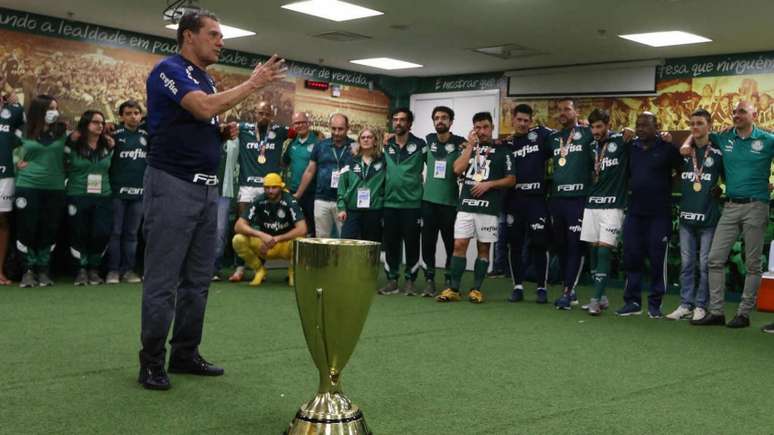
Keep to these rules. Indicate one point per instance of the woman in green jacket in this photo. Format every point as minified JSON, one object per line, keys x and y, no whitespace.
{"x":361,"y":190}
{"x":88,"y":155}
{"x":40,"y":189}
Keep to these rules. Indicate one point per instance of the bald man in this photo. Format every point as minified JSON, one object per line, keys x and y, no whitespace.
{"x":747,"y":154}
{"x":295,"y":158}
{"x":260,"y":150}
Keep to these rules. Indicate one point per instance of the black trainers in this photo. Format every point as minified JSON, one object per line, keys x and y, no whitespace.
{"x":710,"y":320}
{"x":28,"y":279}
{"x":517,"y":295}
{"x":769,"y":329}
{"x":81,"y":278}
{"x":541,"y":296}
{"x":94,"y":278}
{"x":391,"y":288}
{"x":43,"y":279}
{"x":195,"y":366}
{"x":739,"y":321}
{"x":154,"y":378}
{"x":429,"y":289}
{"x":409,"y":289}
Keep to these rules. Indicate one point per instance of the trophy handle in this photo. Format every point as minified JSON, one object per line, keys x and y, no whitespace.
{"x":328,"y":381}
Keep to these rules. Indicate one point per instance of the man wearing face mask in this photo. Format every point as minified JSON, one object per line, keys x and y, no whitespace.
{"x":260,"y":152}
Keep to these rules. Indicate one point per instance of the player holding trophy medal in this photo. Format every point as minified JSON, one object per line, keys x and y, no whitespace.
{"x":488,"y":171}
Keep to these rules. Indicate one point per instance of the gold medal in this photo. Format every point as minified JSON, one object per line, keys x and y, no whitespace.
{"x":478,"y":177}
{"x":261,"y":159}
{"x":562,"y":161}
{"x":697,"y":186}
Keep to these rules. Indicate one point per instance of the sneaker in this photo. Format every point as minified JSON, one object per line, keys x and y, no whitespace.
{"x":133,"y":278}
{"x":496,"y":274}
{"x":604,"y":303}
{"x":390,"y":289}
{"x":680,"y":313}
{"x":43,"y":279}
{"x":739,"y":321}
{"x":593,"y":307}
{"x":630,"y":309}
{"x":564,"y":302}
{"x":112,"y":277}
{"x":448,"y":295}
{"x":769,"y":329}
{"x":409,"y":289}
{"x":81,"y":278}
{"x":429,"y":289}
{"x":699,"y":313}
{"x":654,"y":313}
{"x":28,"y":279}
{"x":215,"y":278}
{"x":517,"y":295}
{"x":573,"y":298}
{"x":710,"y":320}
{"x":541,"y":296}
{"x":94,"y":278}
{"x":475,"y":296}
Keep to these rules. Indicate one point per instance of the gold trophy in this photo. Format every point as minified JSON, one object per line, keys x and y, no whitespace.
{"x":335,"y":281}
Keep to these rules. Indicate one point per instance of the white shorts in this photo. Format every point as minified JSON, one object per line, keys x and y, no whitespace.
{"x":602,"y":225}
{"x":248,"y":193}
{"x":482,"y":227}
{"x":7,"y":191}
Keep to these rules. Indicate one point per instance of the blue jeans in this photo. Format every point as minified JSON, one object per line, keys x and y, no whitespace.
{"x":224,"y":206}
{"x":122,"y":248}
{"x":694,"y":241}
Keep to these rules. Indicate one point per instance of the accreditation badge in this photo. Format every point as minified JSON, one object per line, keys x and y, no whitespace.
{"x":363,"y":197}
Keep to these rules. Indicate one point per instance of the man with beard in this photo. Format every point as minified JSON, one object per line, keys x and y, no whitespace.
{"x":405,"y":158}
{"x":260,"y":152}
{"x":441,"y":192}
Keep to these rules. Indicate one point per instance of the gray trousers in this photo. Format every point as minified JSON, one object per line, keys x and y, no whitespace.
{"x":180,"y":226}
{"x":751,"y":220}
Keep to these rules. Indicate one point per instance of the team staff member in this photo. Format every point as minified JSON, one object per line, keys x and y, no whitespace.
{"x":88,"y":195}
{"x":126,"y":172}
{"x":181,"y":192}
{"x":648,"y":223}
{"x":405,"y":156}
{"x":40,"y":187}
{"x":525,"y":205}
{"x":441,"y":194}
{"x":603,"y":216}
{"x":328,"y":158}
{"x":296,"y":157}
{"x":488,"y":171}
{"x":361,"y":190}
{"x":260,"y":153}
{"x":11,"y":122}
{"x":699,"y":214}
{"x":747,"y":154}
{"x":266,"y":230}
{"x":573,"y":163}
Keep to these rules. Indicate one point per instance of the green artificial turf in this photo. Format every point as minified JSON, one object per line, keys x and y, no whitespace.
{"x":70,"y":365}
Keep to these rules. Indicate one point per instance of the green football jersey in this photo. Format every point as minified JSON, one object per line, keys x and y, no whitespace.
{"x":259,"y":155}
{"x":45,"y":164}
{"x":361,"y":185}
{"x":573,"y":179}
{"x":11,"y":121}
{"x":490,"y":162}
{"x":296,"y":157}
{"x":746,"y":163}
{"x":611,"y":159}
{"x":88,"y":175}
{"x":129,"y":160}
{"x":700,"y":209}
{"x":441,"y":186}
{"x":274,"y":218}
{"x":403,"y":186}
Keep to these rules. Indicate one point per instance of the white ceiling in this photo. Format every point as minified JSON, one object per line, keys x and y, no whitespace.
{"x":440,"y":33}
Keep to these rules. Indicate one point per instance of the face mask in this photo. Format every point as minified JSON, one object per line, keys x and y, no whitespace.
{"x":51,"y":116}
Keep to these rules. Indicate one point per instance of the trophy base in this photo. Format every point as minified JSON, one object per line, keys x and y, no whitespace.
{"x":329,"y":414}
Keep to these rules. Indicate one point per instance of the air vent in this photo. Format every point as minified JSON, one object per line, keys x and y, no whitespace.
{"x":509,"y":51}
{"x":341,"y":36}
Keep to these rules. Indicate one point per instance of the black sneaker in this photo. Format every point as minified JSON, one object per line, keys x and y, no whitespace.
{"x":739,"y":321}
{"x":710,"y":320}
{"x":630,"y":309}
{"x":195,"y":366}
{"x":769,"y":329}
{"x":408,"y":288}
{"x":391,"y":288}
{"x":43,"y":279}
{"x":517,"y":295}
{"x":28,"y":279}
{"x":94,"y":278}
{"x":154,"y":378}
{"x":81,"y":278}
{"x":542,"y":296}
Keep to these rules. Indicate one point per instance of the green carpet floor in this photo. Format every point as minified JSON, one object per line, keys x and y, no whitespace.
{"x":69,"y":365}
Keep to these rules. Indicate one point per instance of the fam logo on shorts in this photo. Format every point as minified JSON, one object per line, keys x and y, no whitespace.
{"x":612,"y":147}
{"x":21,"y":202}
{"x":72,"y":209}
{"x":757,"y":145}
{"x":5,"y":114}
{"x":532,"y":136}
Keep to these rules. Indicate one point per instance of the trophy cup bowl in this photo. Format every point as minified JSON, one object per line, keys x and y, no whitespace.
{"x":335,"y":281}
